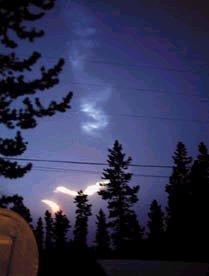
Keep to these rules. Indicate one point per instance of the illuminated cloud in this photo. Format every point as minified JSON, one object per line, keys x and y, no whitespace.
{"x":64,"y":190}
{"x":90,"y":190}
{"x":92,"y":108}
{"x":80,"y":46}
{"x":82,"y":39}
{"x":98,"y":119}
{"x":53,"y":205}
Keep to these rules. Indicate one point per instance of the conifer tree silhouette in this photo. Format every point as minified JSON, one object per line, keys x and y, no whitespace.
{"x":156,"y":222}
{"x":49,"y":231}
{"x":61,"y":228}
{"x":120,"y":197}
{"x":178,"y":208}
{"x":102,"y":240}
{"x":16,"y":18}
{"x":200,"y":203}
{"x":39,"y":233}
{"x":156,"y":229}
{"x":83,"y":211}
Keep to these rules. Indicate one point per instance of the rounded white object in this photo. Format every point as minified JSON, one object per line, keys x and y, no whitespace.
{"x":18,"y":248}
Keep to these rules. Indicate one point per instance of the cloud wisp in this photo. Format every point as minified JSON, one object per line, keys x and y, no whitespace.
{"x":64,"y":190}
{"x":53,"y":205}
{"x":90,"y":190}
{"x":97,"y":118}
{"x":82,"y":40}
{"x":80,"y":46}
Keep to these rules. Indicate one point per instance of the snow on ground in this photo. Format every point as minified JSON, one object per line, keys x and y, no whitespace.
{"x":152,"y":268}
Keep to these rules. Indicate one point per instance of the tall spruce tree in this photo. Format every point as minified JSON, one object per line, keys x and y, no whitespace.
{"x":102,"y":240}
{"x":120,"y":198}
{"x":16,"y":204}
{"x":49,"y":231}
{"x":155,"y":223}
{"x":178,"y":208}
{"x":19,"y":108}
{"x":83,"y":211}
{"x":200,"y":203}
{"x":61,"y":228}
{"x":39,"y":233}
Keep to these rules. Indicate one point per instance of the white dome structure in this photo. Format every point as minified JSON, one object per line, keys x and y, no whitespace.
{"x":18,"y":248}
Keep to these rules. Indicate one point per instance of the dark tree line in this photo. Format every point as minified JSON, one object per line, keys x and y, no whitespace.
{"x":180,"y":232}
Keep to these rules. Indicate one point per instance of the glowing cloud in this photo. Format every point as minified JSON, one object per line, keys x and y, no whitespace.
{"x":90,"y":190}
{"x":64,"y":190}
{"x":83,"y":39}
{"x":54,"y":206}
{"x":99,"y":118}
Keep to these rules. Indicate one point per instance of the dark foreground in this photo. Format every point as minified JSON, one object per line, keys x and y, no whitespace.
{"x":152,"y":268}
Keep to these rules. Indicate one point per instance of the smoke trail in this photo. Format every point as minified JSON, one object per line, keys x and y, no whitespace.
{"x":90,"y":190}
{"x":80,"y":46}
{"x":65,"y":190}
{"x":53,"y":205}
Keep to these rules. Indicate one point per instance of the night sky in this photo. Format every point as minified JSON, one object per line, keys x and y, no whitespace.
{"x":123,"y":59}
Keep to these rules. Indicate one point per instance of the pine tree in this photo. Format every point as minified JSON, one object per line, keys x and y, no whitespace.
{"x":15,"y":203}
{"x":19,"y":109}
{"x":120,"y":198}
{"x":179,"y":192}
{"x":49,"y":232}
{"x":102,"y":236}
{"x":155,"y":223}
{"x":83,"y":211}
{"x":61,"y":227}
{"x":200,"y":202}
{"x":39,"y":233}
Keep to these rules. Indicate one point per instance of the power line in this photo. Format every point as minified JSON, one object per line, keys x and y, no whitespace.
{"x":161,"y":91}
{"x":152,"y":117}
{"x":150,"y":90}
{"x":61,"y":170}
{"x":133,"y":65}
{"x":83,"y":162}
{"x":146,"y":66}
{"x":160,"y":118}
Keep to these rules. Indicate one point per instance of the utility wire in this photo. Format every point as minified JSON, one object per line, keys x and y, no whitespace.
{"x":145,"y":66}
{"x":140,"y":90}
{"x":133,"y":65}
{"x":150,"y":117}
{"x":61,"y":170}
{"x":83,"y":163}
{"x":161,"y":91}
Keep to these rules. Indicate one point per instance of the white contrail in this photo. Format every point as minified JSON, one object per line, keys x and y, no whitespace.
{"x":90,"y":190}
{"x":65,"y":190}
{"x":53,"y":205}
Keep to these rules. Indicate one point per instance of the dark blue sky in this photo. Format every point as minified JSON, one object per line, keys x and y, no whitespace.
{"x":114,"y":50}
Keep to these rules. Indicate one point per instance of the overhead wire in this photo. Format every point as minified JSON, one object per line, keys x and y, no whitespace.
{"x":85,"y":162}
{"x":62,"y":170}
